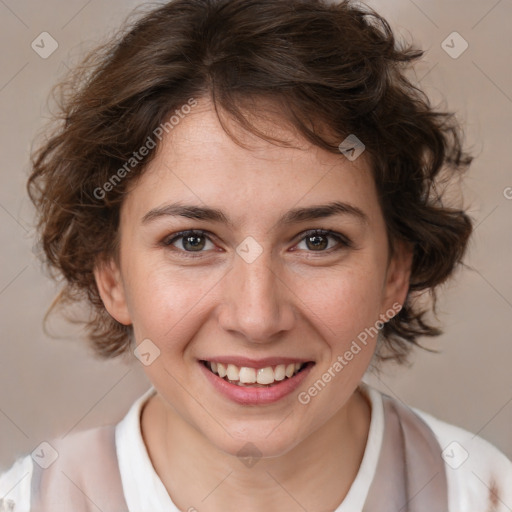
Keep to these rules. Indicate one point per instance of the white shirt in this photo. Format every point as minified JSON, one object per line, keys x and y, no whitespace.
{"x":472,"y":465}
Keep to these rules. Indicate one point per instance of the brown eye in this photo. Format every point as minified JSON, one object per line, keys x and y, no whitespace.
{"x":193,"y":242}
{"x":315,"y":242}
{"x":319,"y":240}
{"x":190,"y":241}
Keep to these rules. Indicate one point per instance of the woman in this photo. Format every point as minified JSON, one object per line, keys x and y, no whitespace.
{"x":244,"y":191}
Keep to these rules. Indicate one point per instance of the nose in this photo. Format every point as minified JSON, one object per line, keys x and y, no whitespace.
{"x":257,"y":303}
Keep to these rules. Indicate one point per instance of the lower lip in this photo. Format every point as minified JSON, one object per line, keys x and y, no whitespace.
{"x":256,"y":396}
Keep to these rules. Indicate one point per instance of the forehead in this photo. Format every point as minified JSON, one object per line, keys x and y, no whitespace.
{"x":197,"y":161}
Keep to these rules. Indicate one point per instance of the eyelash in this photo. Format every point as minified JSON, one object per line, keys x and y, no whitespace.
{"x":343,"y":241}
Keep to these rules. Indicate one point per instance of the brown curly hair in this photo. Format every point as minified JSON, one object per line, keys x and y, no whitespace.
{"x":326,"y":64}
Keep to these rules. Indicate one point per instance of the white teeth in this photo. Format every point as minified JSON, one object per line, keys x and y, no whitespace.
{"x":261,"y":376}
{"x":247,"y":375}
{"x":279,"y":372}
{"x":232,"y":372}
{"x":265,"y":375}
{"x":221,"y":370}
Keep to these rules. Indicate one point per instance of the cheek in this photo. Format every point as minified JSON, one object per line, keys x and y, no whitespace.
{"x":343,"y":303}
{"x":164,"y":303}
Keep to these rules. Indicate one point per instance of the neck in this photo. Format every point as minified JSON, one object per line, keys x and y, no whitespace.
{"x":328,"y":459}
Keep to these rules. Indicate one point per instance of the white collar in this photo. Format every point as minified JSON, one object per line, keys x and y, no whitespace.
{"x":142,"y":487}
{"x":145,"y":492}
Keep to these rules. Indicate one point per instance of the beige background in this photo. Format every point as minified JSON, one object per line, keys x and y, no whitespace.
{"x":51,"y":386}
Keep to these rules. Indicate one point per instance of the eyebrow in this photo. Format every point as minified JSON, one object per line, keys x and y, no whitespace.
{"x":293,"y":216}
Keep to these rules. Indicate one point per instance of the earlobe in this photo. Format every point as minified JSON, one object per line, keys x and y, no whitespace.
{"x":111,"y":290}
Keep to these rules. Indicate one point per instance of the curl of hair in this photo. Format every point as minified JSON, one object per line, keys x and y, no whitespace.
{"x":335,"y":65}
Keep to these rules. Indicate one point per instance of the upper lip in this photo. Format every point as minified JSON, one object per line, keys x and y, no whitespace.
{"x":255,"y":363}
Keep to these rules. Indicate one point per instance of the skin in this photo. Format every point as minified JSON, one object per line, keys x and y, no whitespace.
{"x":294,"y":300}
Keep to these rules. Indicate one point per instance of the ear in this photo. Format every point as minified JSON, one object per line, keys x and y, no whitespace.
{"x":398,"y":274}
{"x":111,"y":289}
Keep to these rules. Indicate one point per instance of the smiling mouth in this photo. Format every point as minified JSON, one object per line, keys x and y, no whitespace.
{"x":255,"y":377}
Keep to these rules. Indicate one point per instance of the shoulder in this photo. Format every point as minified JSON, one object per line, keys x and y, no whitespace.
{"x":79,"y":457}
{"x":89,"y":456}
{"x":479,"y":475}
{"x":15,"y":486}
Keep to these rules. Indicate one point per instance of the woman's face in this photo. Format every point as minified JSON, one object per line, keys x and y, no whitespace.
{"x":251,"y":287}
